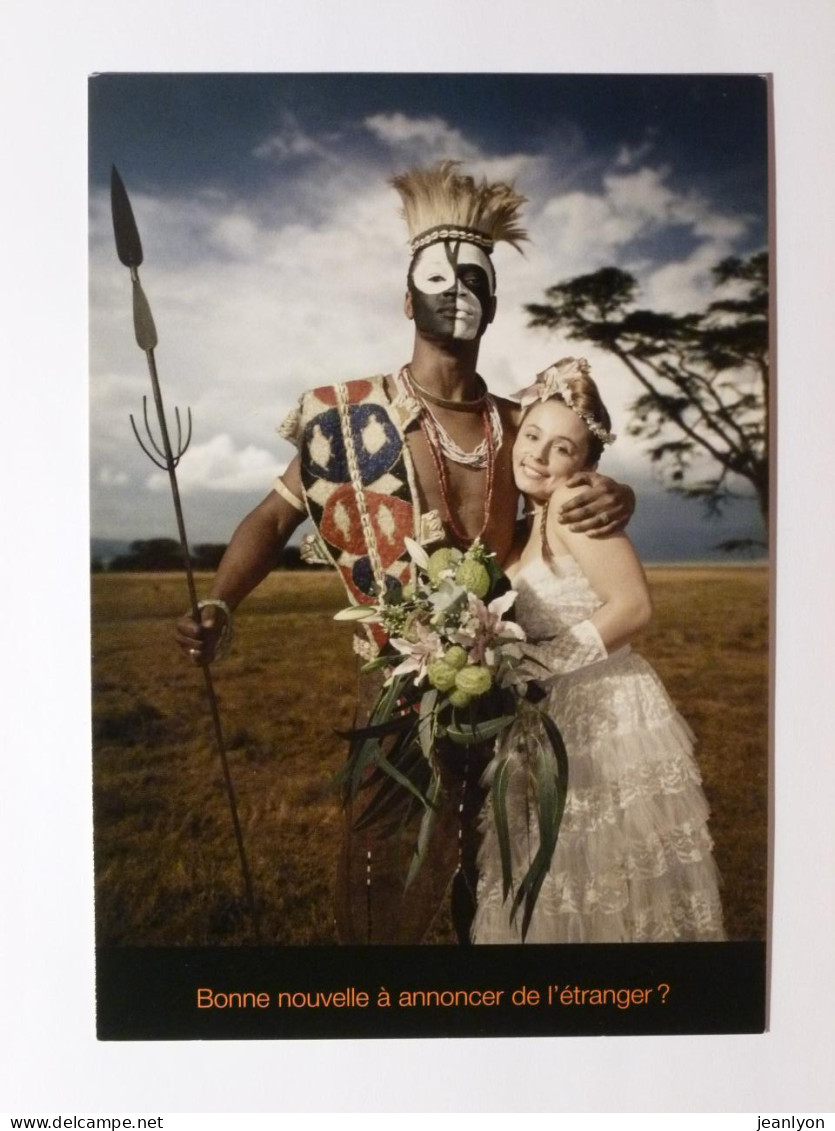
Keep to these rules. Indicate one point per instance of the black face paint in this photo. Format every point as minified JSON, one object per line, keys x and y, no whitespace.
{"x":451,"y":285}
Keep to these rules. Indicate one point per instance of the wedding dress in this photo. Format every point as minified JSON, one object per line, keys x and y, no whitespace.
{"x":633,"y":861}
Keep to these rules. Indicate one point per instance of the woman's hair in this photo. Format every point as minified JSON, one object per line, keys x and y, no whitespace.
{"x":583,"y":397}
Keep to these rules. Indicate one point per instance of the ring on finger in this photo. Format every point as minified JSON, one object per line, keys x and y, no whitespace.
{"x":193,"y":653}
{"x":603,"y":519}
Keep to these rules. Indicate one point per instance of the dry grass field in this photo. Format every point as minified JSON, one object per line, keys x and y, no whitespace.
{"x":166,"y":864}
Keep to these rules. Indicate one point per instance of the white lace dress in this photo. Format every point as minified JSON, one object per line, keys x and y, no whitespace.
{"x":633,"y":862}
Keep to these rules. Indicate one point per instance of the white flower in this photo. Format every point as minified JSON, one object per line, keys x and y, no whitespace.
{"x":445,"y":598}
{"x":417,"y":553}
{"x":418,"y":654}
{"x":483,"y":628}
{"x":368,"y":613}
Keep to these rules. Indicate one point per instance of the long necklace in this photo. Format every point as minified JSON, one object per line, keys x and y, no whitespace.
{"x":429,"y":426}
{"x":493,"y":431}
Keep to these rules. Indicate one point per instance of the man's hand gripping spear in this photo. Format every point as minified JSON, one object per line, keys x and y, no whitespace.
{"x":129,"y":250}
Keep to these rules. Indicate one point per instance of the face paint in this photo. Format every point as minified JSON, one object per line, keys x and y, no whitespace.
{"x":452,"y":286}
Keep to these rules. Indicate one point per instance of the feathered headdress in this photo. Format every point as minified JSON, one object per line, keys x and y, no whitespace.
{"x":442,"y":204}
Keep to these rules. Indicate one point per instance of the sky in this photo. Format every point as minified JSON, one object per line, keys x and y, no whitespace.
{"x":275,"y":257}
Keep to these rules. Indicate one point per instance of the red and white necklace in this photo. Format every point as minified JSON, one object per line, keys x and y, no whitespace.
{"x":441,"y":445}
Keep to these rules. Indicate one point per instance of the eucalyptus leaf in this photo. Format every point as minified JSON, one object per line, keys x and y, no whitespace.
{"x":551,"y":779}
{"x":379,"y":730}
{"x":426,"y":727}
{"x":427,"y":824}
{"x":389,"y":797}
{"x":499,"y":799}
{"x":478,"y":732}
{"x":377,"y":663}
{"x":392,"y":770}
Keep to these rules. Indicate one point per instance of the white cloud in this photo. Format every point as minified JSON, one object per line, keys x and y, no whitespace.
{"x":290,"y":142}
{"x":109,"y":477}
{"x":218,"y":466}
{"x":588,"y":230}
{"x":432,"y":137}
{"x":629,"y":156}
{"x":256,"y":299}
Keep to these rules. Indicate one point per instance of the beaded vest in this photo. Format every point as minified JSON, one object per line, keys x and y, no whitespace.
{"x":359,"y":487}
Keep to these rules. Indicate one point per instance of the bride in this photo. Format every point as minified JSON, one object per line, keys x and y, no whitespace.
{"x":633,"y":860}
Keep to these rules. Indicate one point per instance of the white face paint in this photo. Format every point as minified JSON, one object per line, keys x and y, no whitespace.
{"x":451,"y":286}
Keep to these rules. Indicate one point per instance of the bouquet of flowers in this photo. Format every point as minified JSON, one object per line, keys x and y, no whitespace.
{"x":450,"y":678}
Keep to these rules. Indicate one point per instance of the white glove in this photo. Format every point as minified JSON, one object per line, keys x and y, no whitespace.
{"x":576,"y":647}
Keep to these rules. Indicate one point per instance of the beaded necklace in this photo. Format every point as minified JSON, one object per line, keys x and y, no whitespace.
{"x":433,"y":441}
{"x":485,"y":404}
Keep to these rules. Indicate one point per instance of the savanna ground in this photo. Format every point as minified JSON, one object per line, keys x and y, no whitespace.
{"x":166,"y":864}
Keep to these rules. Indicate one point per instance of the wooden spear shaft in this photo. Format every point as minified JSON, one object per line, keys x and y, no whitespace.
{"x":129,"y":249}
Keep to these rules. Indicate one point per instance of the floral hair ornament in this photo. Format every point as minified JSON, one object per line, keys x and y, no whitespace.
{"x":555,"y":381}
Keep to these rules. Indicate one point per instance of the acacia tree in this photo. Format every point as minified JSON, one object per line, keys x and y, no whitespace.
{"x":704,"y":376}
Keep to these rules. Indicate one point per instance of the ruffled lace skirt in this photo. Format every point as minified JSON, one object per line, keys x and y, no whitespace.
{"x":633,"y":862}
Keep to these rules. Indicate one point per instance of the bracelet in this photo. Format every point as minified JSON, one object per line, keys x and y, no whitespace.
{"x":225,"y":640}
{"x":289,"y":496}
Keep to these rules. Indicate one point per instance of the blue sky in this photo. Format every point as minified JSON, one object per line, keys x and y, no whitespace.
{"x":275,"y":257}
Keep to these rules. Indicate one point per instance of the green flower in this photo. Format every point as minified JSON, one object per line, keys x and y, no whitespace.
{"x":441,"y":675}
{"x":474,"y":577}
{"x":474,"y":680}
{"x":408,"y":590}
{"x":459,"y":698}
{"x":456,"y":657}
{"x":445,"y":558}
{"x":478,"y":552}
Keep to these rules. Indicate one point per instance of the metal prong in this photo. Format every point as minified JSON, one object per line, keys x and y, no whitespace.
{"x":154,"y":444}
{"x":150,"y":455}
{"x":182,"y":448}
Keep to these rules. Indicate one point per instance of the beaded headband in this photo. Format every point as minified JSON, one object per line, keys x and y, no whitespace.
{"x":441,"y":232}
{"x":556,"y":382}
{"x":440,"y":203}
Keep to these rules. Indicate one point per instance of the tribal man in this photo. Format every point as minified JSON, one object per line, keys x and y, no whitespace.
{"x":423,"y":453}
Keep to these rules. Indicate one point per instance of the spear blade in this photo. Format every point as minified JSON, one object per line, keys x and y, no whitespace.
{"x":128,"y":243}
{"x":129,"y":250}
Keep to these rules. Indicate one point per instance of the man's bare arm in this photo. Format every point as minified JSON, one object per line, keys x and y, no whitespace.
{"x":251,"y":554}
{"x":604,"y":508}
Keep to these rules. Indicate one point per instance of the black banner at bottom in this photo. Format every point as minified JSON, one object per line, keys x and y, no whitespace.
{"x":332,"y":992}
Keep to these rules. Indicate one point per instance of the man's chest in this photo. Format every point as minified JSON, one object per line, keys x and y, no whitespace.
{"x":473,"y":502}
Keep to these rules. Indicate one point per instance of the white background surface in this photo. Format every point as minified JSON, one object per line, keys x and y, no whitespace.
{"x":51,"y":1061}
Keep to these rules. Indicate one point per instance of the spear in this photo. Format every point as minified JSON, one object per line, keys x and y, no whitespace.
{"x":129,"y":250}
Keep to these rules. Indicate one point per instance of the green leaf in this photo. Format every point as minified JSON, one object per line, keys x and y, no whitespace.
{"x":392,"y":770}
{"x":499,"y":799}
{"x":427,"y":824}
{"x":478,"y":732}
{"x":551,"y":777}
{"x":377,"y":663}
{"x":379,"y":730}
{"x":389,"y":796}
{"x":426,"y":727}
{"x":561,"y":758}
{"x":351,"y":775}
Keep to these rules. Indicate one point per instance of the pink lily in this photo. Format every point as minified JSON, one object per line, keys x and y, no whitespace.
{"x":483,"y":627}
{"x":418,"y":654}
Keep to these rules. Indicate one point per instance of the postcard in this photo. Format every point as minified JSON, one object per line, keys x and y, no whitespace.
{"x":541,"y":808}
